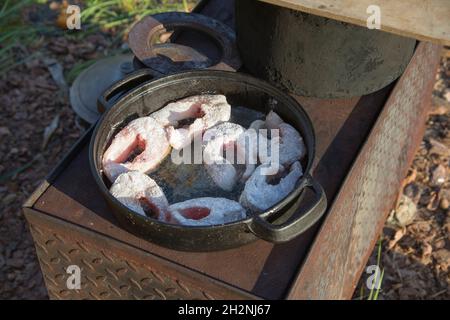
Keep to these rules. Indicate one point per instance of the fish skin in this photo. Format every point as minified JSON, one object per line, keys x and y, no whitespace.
{"x":222,"y":211}
{"x":129,"y":187}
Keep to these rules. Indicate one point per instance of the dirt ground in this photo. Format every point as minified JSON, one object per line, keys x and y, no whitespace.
{"x":416,"y":243}
{"x":30,"y":102}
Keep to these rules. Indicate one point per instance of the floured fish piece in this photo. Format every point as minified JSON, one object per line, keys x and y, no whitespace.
{"x":226,"y":146}
{"x":273,"y":120}
{"x":261,"y":192}
{"x":258,"y":141}
{"x":140,"y":193}
{"x":218,"y":140}
{"x":146,"y":139}
{"x":204,"y":110}
{"x":206,"y":211}
{"x":258,"y":125}
{"x":289,"y":142}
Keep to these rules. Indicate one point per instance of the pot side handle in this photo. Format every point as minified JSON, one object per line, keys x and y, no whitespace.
{"x":133,"y":80}
{"x":298,"y":223}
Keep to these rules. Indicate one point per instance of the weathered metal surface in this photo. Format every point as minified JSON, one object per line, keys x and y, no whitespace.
{"x":315,"y":56}
{"x":93,"y":81}
{"x":168,"y":58}
{"x":112,"y":270}
{"x":353,"y":224}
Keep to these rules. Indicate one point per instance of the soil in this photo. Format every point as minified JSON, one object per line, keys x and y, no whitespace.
{"x":33,"y":103}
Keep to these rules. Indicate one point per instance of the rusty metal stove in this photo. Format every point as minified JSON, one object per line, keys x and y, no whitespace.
{"x":365,"y":146}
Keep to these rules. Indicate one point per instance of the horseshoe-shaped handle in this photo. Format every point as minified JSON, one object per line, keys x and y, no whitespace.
{"x":121,"y":87}
{"x":300,"y":221}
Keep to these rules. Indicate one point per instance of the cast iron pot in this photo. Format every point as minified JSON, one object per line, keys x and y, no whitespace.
{"x":315,"y":56}
{"x":149,"y":96}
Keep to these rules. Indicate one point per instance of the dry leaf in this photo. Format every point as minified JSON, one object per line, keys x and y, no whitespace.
{"x":397,"y":237}
{"x":439,"y":148}
{"x":4,"y":131}
{"x":427,"y":249}
{"x":49,"y":130}
{"x":439,"y":175}
{"x":433,"y":202}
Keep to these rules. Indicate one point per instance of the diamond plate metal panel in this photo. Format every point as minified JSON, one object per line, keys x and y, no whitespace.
{"x":107,"y":271}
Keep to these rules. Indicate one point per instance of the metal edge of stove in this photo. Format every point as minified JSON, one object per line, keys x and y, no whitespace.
{"x":425,"y":102}
{"x":59,"y":167}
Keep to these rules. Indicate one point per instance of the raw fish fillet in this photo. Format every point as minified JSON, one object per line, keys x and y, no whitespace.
{"x":140,"y":193}
{"x":206,"y":211}
{"x":144,"y":135}
{"x":260,"y":194}
{"x":205,"y":110}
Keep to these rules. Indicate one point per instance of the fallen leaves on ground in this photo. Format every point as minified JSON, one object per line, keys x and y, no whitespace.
{"x":37,"y":128}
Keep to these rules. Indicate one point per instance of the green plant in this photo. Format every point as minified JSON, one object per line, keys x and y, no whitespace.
{"x":13,"y":34}
{"x":77,"y":69}
{"x":106,"y":15}
{"x":375,"y":290}
{"x":373,"y":295}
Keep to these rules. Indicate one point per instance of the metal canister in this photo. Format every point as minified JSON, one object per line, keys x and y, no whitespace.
{"x":314,"y":56}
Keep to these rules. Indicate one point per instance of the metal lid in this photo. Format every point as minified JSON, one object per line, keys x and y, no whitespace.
{"x":93,"y":81}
